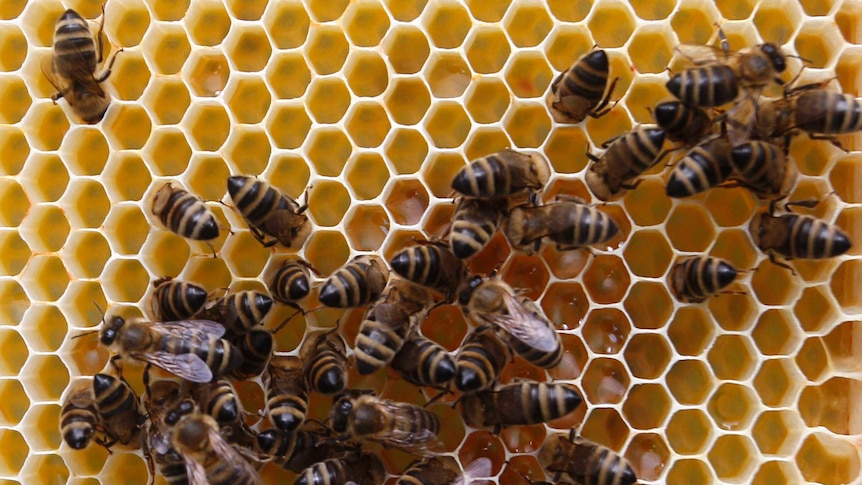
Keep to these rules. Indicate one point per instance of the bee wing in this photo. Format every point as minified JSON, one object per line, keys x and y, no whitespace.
{"x":224,"y":450}
{"x":191,"y":328}
{"x":197,"y":475}
{"x":59,"y":82}
{"x":402,"y":436}
{"x":187,"y":366}
{"x":480,"y":467}
{"x":701,"y":55}
{"x":525,"y":325}
{"x":741,"y":120}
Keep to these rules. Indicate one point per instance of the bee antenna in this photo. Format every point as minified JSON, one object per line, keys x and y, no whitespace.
{"x":803,"y":59}
{"x":437,"y":397}
{"x":100,"y":309}
{"x":85,"y":334}
{"x":287,"y":320}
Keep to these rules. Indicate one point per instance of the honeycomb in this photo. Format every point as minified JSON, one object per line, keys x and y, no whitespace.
{"x":377,"y":104}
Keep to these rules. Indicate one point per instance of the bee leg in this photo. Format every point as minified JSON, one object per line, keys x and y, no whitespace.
{"x":725,"y":45}
{"x":570,"y":198}
{"x":633,"y":185}
{"x":831,"y":139}
{"x":592,"y":157}
{"x":99,"y":36}
{"x":600,"y":110}
{"x":781,"y":264}
{"x":107,"y":71}
{"x":255,"y":232}
{"x":436,"y":398}
{"x":285,"y":322}
{"x":106,"y":444}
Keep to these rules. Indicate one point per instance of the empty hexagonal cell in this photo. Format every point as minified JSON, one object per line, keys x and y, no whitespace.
{"x":207,"y":72}
{"x":439,"y":171}
{"x":606,"y":330}
{"x":135,"y":228}
{"x":652,"y":10}
{"x":46,"y":467}
{"x":366,"y":23}
{"x":407,"y":100}
{"x":207,"y":23}
{"x":776,"y":333}
{"x":612,"y":24}
{"x":447,"y":124}
{"x":527,"y":24}
{"x":327,"y":250}
{"x":606,"y":279}
{"x":829,"y":405}
{"x":689,"y":228}
{"x":487,"y":49}
{"x":485,"y":140}
{"x":45,"y":126}
{"x":16,"y":101}
{"x":528,"y":124}
{"x":130,"y":76}
{"x":407,"y":201}
{"x":167,"y":98}
{"x":841,"y":285}
{"x":777,"y":472}
{"x":605,"y":426}
{"x":367,"y":74}
{"x":689,"y":432}
{"x":13,"y":150}
{"x":367,"y":124}
{"x":166,"y":47}
{"x":657,"y":57}
{"x":15,"y":403}
{"x":45,"y":229}
{"x":777,"y":432}
{"x":127,"y":127}
{"x":208,"y":272}
{"x":407,"y":49}
{"x":126,"y":465}
{"x":326,"y":49}
{"x":288,"y":75}
{"x":133,"y":275}
{"x":169,"y":10}
{"x":732,"y":406}
{"x":244,"y":255}
{"x":447,"y":24}
{"x":16,"y":452}
{"x":648,"y":205}
{"x":605,"y":381}
{"x":44,"y":377}
{"x":690,"y":381}
{"x":694,"y":24}
{"x":248,"y":149}
{"x":247,"y":98}
{"x":774,"y":285}
{"x":366,"y":227}
{"x":366,"y":174}
{"x":14,"y":202}
{"x":647,"y":355}
{"x":527,"y":273}
{"x":776,"y":382}
{"x":691,"y":331}
{"x":732,"y":357}
{"x":86,"y":253}
{"x":206,"y":175}
{"x":448,"y":75}
{"x":488,"y":10}
{"x":648,"y":253}
{"x":528,"y":75}
{"x":689,"y":471}
{"x":439,"y":220}
{"x":288,"y":124}
{"x":328,"y":100}
{"x":814,"y":310}
{"x":777,"y":22}
{"x":13,"y":47}
{"x":812,"y":359}
{"x":647,"y":406}
{"x":14,"y":252}
{"x":14,"y":353}
{"x":40,"y":426}
{"x":487,"y":100}
{"x":734,"y":312}
{"x":247,"y":47}
{"x":839,"y":346}
{"x":734,"y":246}
{"x":168,"y":152}
{"x":328,"y":150}
{"x":826,"y":459}
{"x":126,"y":177}
{"x":328,"y":202}
{"x":165,"y":253}
{"x":649,"y":305}
{"x":733,"y":457}
{"x":16,"y":300}
{"x":45,"y":277}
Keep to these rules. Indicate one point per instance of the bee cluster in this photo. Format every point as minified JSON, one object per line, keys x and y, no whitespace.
{"x":196,"y":430}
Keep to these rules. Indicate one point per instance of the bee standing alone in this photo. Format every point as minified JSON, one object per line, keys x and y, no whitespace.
{"x":577,"y":92}
{"x":184,"y":214}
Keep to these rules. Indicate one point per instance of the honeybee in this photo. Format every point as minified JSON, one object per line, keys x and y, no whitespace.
{"x":626,"y":157}
{"x":681,"y":122}
{"x":324,"y":361}
{"x":184,"y":214}
{"x":290,"y":283}
{"x":502,"y":174}
{"x":490,"y":301}
{"x":423,"y":362}
{"x":256,"y":347}
{"x":286,"y":392}
{"x":578,"y":92}
{"x":302,"y":448}
{"x":568,"y":222}
{"x":381,"y":335}
{"x":207,"y":456}
{"x":818,"y":111}
{"x":268,"y":212}
{"x":79,"y":420}
{"x":238,"y":312}
{"x":763,"y":168}
{"x":473,"y":224}
{"x":479,"y":361}
{"x":796,"y":236}
{"x":219,"y":399}
{"x":358,"y":469}
{"x":519,"y":404}
{"x":357,"y":283}
{"x":190,"y":349}
{"x":174,"y":300}
{"x":118,"y":408}
{"x":704,"y":166}
{"x":695,"y":279}
{"x":585,"y":461}
{"x":157,"y":447}
{"x":72,"y":67}
{"x":364,"y":416}
{"x":431,"y":265}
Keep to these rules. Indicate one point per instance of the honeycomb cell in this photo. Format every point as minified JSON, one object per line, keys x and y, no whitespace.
{"x":527,"y":273}
{"x":611,"y":125}
{"x":248,"y":47}
{"x":732,"y":457}
{"x":169,"y":10}
{"x":287,"y":23}
{"x":605,"y":381}
{"x":44,"y":377}
{"x":367,"y":124}
{"x":15,"y":352}
{"x":565,"y":304}
{"x":328,"y":202}
{"x":647,"y":355}
{"x":447,"y":124}
{"x":248,"y":149}
{"x":843,"y":283}
{"x":206,"y":175}
{"x":439,"y":171}
{"x":247,"y":10}
{"x":15,"y":101}
{"x":447,"y":24}
{"x":814,"y":309}
{"x":819,"y":42}
{"x":165,"y":253}
{"x":14,"y":253}
{"x":735,"y":9}
{"x":485,"y":140}
{"x":127,"y":465}
{"x":648,"y":305}
{"x":328,"y":100}
{"x":52,"y":126}
{"x":565,"y":148}
{"x":166,"y":47}
{"x":407,"y":100}
{"x":407,"y":201}
{"x":648,"y":253}
{"x":167,"y":151}
{"x":774,"y":285}
{"x":777,"y":472}
{"x":247,"y":98}
{"x":606,"y":279}
{"x":528,"y":24}
{"x":566,"y":44}
{"x":528,"y":75}
{"x":13,"y":150}
{"x":13,"y":47}
{"x":655,"y":59}
{"x":128,"y":127}
{"x":611,"y":24}
{"x":689,"y":471}
{"x":812,"y":359}
{"x":366,"y":175}
{"x":328,"y":150}
{"x":208,"y":272}
{"x":207,"y":23}
{"x":16,"y":452}
{"x":647,"y":406}
{"x":12,"y":9}
{"x":606,"y":330}
{"x":39,"y":21}
{"x":407,"y":49}
{"x":839,"y":346}
{"x":689,"y":228}
{"x":326,"y":250}
{"x":776,"y":21}
{"x":290,"y":173}
{"x":734,"y":312}
{"x":326,"y":49}
{"x":207,"y":72}
{"x":45,"y":278}
{"x":606,"y":427}
{"x":366,"y":227}
{"x":47,"y":467}
{"x":652,"y":10}
{"x":521,"y":467}
{"x":735,"y":246}
{"x":732,"y":406}
{"x":288,"y":124}
{"x":135,"y":228}
{"x":366,"y":23}
{"x":846,"y":17}
{"x":397,"y":240}
{"x":167,"y":98}
{"x":133,"y":275}
{"x":130,"y":76}
{"x":523,"y":439}
{"x":690,"y":381}
{"x":135,"y":177}
{"x":732,"y":357}
{"x":689,"y":432}
{"x":45,"y":229}
{"x":448,"y":75}
{"x":15,"y":404}
{"x":367,"y":74}
{"x":827,"y":460}
{"x":14,"y":202}
{"x":16,"y":302}
{"x":776,"y":333}
{"x":487,"y":49}
{"x":528,"y":124}
{"x":777,"y":432}
{"x":648,"y":206}
{"x":244,"y":255}
{"x":41,"y":429}
{"x":439,"y":220}
{"x":776,"y":382}
{"x":649,"y":455}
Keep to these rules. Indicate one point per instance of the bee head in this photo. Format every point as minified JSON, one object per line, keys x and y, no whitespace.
{"x":773,"y":52}
{"x":472,"y":284}
{"x":112,"y":327}
{"x":340,"y":412}
{"x":182,"y":409}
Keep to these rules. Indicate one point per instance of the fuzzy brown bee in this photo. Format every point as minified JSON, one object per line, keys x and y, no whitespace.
{"x":238,"y":312}
{"x":79,"y":420}
{"x":358,"y":469}
{"x":519,"y":404}
{"x":703,"y":167}
{"x":580,"y":91}
{"x":431,"y":265}
{"x":159,"y":398}
{"x":474,"y":223}
{"x":584,"y":461}
{"x":626,"y":158}
{"x":502,"y":174}
{"x":567,"y":222}
{"x":357,"y":283}
{"x":256,"y":348}
{"x":175,"y":300}
{"x":763,"y":168}
{"x":797,"y":236}
{"x":302,"y":448}
{"x":324,"y":361}
{"x":268,"y":212}
{"x":681,"y":122}
{"x":118,"y":408}
{"x":480,"y":360}
{"x":381,"y":335}
{"x":72,"y":67}
{"x":695,"y":279}
{"x":286,"y":392}
{"x":423,"y":362}
{"x":184,"y":214}
{"x":290,"y":283}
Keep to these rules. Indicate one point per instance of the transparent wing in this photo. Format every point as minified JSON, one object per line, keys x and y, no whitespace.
{"x":191,"y":328}
{"x":701,"y":55}
{"x":480,"y":467}
{"x":187,"y":366}
{"x":197,"y":475}
{"x":225,"y":451}
{"x":59,"y":82}
{"x":525,"y":325}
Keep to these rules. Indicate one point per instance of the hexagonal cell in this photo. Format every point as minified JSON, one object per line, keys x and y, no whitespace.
{"x":135,"y":177}
{"x":487,"y":99}
{"x":207,"y":23}
{"x":776,"y":333}
{"x":690,"y":381}
{"x":328,"y":100}
{"x":439,"y":170}
{"x":732,"y":407}
{"x":657,"y":57}
{"x":328,"y":150}
{"x":826,"y":459}
{"x":649,"y":305}
{"x":288,"y":124}
{"x":689,"y":431}
{"x":407,"y":100}
{"x":15,"y":101}
{"x":127,"y":465}
{"x":46,"y":467}
{"x":566,"y":44}
{"x":169,"y":10}
{"x":52,"y":125}
{"x":845,"y":17}
{"x":448,"y":75}
{"x":839,"y":346}
{"x":16,"y":452}
{"x":689,"y":228}
{"x":45,"y":278}
{"x":367,"y":124}
{"x":647,"y":355}
{"x":45,"y":178}
{"x":734,"y":246}
{"x":17,"y":302}
{"x":166,"y":47}
{"x":208,"y":272}
{"x":247,"y":98}
{"x":605,"y":426}
{"x":244,"y":255}
{"x":733,"y":457}
{"x":694,"y":24}
{"x":692,"y":470}
{"x":207,"y":73}
{"x":774,"y":285}
{"x":439,"y":220}
{"x":130,"y":76}
{"x":647,"y":406}
{"x":287,"y":23}
{"x":135,"y":228}
{"x":776,"y":382}
{"x":523,"y":439}
{"x":648,"y":253}
{"x":566,"y":304}
{"x":488,"y":10}
{"x":13,"y":48}
{"x":605,"y":381}
{"x":447,"y":24}
{"x":206,"y":175}
{"x":407,"y":49}
{"x":41,"y":428}
{"x":44,"y":377}
{"x":248,"y":149}
{"x":165,"y":253}
{"x":606,"y":279}
{"x":15,"y":352}
{"x":167,"y":98}
{"x":247,"y":47}
{"x":447,"y":124}
{"x":652,"y":10}
{"x":650,"y":454}
{"x":648,"y":205}
{"x":485,"y":140}
{"x":13,"y":150}
{"x":777,"y":472}
{"x":366,"y":227}
{"x":812,"y":359}
{"x":133,"y":275}
{"x":367,"y":74}
{"x":527,"y":273}
{"x":12,"y":9}
{"x":777,"y":22}
{"x":841,"y":286}
{"x":328,"y":202}
{"x":487,"y":49}
{"x":612,"y":24}
{"x":45,"y":229}
{"x":777,"y":432}
{"x":327,"y":49}
{"x":528,"y":124}
{"x":14,"y":253}
{"x":167,"y":152}
{"x":732,"y":357}
{"x":366,"y":174}
{"x":735,"y":9}
{"x":527,"y":24}
{"x":16,"y":403}
{"x":327,"y":250}
{"x":606,"y":330}
{"x":366,"y":23}
{"x":528,"y":75}
{"x":127,"y":127}
{"x":733,"y":312}
{"x":815,"y":310}
{"x":405,"y":10}
{"x":407,"y":201}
